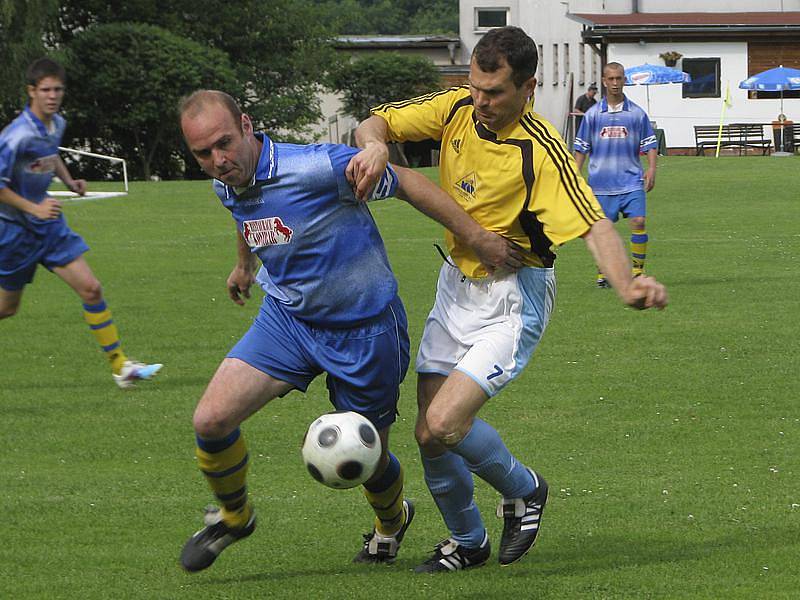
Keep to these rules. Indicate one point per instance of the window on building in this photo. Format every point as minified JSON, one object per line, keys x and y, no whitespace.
{"x":566,"y":63}
{"x":705,"y":77}
{"x":540,"y":64}
{"x":768,"y":55}
{"x":555,"y":64}
{"x":488,"y":18}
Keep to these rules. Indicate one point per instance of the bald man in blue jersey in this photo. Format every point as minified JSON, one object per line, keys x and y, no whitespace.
{"x":330,"y":306}
{"x":614,"y":132}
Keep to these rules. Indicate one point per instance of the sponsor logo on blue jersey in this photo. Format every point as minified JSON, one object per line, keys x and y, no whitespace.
{"x":266,"y":232}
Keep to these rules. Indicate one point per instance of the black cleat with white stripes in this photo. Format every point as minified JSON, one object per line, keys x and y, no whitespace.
{"x":449,"y":555}
{"x":202,"y":549}
{"x":522,"y":517}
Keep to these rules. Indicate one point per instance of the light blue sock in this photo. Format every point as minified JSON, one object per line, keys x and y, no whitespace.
{"x":451,"y":486}
{"x":486,"y":455}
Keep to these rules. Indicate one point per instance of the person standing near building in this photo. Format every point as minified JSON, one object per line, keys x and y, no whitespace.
{"x":584,"y":103}
{"x":511,"y":171}
{"x":614,"y":133}
{"x":33,"y":230}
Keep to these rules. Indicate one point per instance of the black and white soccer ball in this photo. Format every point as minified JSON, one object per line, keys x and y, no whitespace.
{"x":341,"y":449}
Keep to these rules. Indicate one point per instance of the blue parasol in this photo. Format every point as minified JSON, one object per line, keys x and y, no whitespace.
{"x":648,"y":75}
{"x":773,"y":80}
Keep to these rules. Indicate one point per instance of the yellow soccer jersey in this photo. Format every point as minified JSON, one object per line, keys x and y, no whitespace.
{"x":520,"y":182}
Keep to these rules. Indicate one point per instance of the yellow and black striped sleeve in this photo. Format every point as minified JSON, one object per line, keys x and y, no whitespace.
{"x":420,"y":118}
{"x":562,"y":200}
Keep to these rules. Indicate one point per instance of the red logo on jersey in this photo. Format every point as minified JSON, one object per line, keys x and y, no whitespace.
{"x":45,"y":164}
{"x":614,"y":131}
{"x":266,"y":232}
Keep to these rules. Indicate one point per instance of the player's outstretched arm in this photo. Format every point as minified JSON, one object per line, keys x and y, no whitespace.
{"x":366,"y":168}
{"x":241,"y":277}
{"x":493,"y":250}
{"x":606,"y":246}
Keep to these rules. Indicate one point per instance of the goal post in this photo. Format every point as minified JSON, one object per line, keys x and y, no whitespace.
{"x":114,"y":160}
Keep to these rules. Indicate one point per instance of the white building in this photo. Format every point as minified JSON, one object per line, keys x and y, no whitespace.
{"x":721,"y":43}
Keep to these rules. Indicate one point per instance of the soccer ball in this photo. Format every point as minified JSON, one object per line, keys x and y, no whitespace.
{"x":341,"y":449}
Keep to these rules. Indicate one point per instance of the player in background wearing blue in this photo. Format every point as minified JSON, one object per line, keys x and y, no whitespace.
{"x":509,"y":169}
{"x":614,"y":132}
{"x":330,"y":305}
{"x":33,"y":229}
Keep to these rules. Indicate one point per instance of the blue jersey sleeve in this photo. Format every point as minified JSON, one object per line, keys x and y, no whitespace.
{"x":649,"y":141}
{"x":8,"y":154}
{"x":340,"y":156}
{"x":583,"y":139}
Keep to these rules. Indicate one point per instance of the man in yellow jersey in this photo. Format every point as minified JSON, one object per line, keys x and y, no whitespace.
{"x":511,"y":171}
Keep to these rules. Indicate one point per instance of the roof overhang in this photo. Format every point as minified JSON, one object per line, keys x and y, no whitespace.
{"x":634,"y":27}
{"x":396,"y":42}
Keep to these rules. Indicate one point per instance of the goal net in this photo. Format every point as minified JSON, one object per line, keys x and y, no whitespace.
{"x":109,"y":175}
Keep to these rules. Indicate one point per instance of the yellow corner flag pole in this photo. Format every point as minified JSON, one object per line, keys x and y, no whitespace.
{"x":726,"y":102}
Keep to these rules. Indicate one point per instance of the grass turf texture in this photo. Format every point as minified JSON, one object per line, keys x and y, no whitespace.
{"x":669,"y":439}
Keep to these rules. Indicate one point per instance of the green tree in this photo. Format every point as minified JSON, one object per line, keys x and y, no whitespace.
{"x":382,"y":77}
{"x":125,"y":80}
{"x":278,"y":48}
{"x":23,"y":24}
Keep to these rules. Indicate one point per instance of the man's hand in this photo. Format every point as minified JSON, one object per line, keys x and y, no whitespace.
{"x":645,"y":292}
{"x":47,"y":209}
{"x":239,"y":282}
{"x":366,"y":168}
{"x":496,"y":253}
{"x":78,"y":186}
{"x":649,"y":180}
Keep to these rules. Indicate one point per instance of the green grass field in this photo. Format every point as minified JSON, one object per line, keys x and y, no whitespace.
{"x":670,"y":440}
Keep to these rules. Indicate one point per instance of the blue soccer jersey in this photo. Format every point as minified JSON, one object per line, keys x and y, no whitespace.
{"x":28,"y":158}
{"x":614,"y":141}
{"x":322,"y":255}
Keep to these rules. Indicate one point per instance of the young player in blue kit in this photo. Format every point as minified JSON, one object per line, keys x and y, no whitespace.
{"x":614,"y":132}
{"x":330,"y":305}
{"x":33,"y":230}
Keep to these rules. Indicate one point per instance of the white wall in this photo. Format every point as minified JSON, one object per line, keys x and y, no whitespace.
{"x":680,"y":6}
{"x":677,"y":115}
{"x":546,"y":23}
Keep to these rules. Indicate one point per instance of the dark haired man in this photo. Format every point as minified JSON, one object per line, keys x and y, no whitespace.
{"x":33,"y":230}
{"x":330,"y":299}
{"x":510,"y":170}
{"x":584,"y":103}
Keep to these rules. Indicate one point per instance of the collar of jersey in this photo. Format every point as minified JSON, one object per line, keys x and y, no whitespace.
{"x":40,"y":127}
{"x":268,"y":161}
{"x":626,"y":104}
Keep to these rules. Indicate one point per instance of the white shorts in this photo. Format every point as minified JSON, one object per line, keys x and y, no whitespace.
{"x":486,"y":328}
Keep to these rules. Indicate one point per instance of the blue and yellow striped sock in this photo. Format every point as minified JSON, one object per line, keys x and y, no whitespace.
{"x":638,"y":250}
{"x":98,"y":316}
{"x":385,"y":496}
{"x":224,"y":464}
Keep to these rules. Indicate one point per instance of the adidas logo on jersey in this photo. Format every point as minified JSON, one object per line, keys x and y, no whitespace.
{"x":456,"y":144}
{"x":466,"y":186}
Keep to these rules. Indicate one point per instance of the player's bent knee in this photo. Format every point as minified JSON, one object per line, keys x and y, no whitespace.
{"x":91,"y":292}
{"x":8,"y":311}
{"x":443,"y":430}
{"x":212,"y":425}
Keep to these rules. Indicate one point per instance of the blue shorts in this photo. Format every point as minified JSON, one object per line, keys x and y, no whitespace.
{"x":365,"y":364}
{"x":630,"y":204}
{"x":22,"y":250}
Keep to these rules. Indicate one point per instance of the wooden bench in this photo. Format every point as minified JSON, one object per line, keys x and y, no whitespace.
{"x":734,"y":135}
